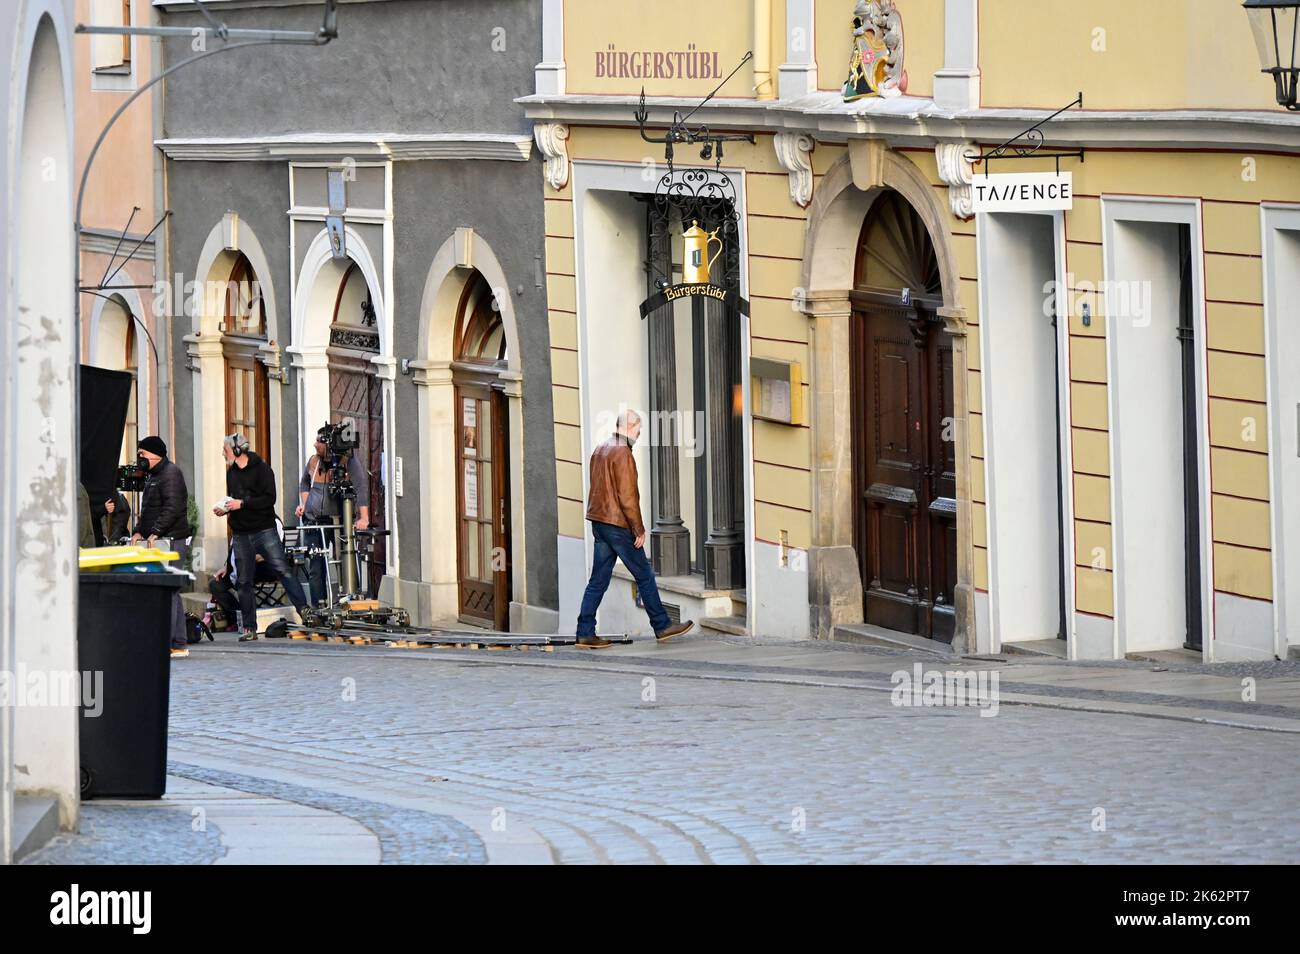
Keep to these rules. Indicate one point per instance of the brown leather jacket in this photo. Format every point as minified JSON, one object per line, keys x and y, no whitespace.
{"x":614,"y":496}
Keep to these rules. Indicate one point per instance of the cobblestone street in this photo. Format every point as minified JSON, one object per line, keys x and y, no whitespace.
{"x":577,"y":757}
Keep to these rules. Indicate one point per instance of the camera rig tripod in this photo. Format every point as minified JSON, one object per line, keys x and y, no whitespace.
{"x":349,"y":606}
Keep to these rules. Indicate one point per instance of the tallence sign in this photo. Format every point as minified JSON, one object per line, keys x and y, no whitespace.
{"x":1023,"y":192}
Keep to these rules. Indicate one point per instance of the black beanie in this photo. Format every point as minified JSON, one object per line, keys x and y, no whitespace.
{"x":154,"y":445}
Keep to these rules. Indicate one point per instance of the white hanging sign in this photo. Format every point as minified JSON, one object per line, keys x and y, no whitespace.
{"x":1023,"y":192}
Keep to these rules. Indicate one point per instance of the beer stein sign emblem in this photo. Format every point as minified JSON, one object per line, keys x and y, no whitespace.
{"x":696,"y":261}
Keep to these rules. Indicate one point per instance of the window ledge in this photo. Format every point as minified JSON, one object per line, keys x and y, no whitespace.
{"x":123,"y":69}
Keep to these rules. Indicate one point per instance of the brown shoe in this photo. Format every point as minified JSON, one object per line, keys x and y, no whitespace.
{"x":675,"y":630}
{"x":593,"y":642}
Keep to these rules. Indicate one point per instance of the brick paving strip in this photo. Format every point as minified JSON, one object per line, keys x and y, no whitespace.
{"x":406,"y":836}
{"x":262,"y":821}
{"x":1054,"y":683}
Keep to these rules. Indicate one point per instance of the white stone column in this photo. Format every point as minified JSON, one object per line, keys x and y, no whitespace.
{"x":439,"y":578}
{"x":311,"y":369}
{"x":284,"y":461}
{"x":835,"y":578}
{"x":514,"y":390}
{"x":207,"y":365}
{"x":957,"y":85}
{"x":797,"y":76}
{"x":550,"y":73}
{"x":386,"y":371}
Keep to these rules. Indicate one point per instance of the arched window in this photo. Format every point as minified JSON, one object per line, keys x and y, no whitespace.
{"x":245,"y":313}
{"x":480,"y":336}
{"x":247,"y":391}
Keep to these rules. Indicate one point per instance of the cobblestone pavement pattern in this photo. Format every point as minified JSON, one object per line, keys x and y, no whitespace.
{"x":609,"y":767}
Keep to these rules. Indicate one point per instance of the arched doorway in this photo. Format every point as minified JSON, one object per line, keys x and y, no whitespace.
{"x":482,"y":459}
{"x":243,"y":338}
{"x":217,"y":321}
{"x":905,"y":466}
{"x":356,"y":393}
{"x":464,"y":259}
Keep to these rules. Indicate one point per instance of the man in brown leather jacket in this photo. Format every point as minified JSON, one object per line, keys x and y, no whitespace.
{"x":614,"y":509}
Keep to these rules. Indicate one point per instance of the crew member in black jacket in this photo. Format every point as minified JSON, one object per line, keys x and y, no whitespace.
{"x":250,"y":503}
{"x":165,"y":501}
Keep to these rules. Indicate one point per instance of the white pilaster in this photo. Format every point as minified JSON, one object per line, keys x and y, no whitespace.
{"x":435,"y":398}
{"x":549,"y":75}
{"x":797,"y":76}
{"x":957,"y":85}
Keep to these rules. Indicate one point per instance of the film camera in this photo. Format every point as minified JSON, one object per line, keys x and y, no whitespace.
{"x":339,"y":439}
{"x":131,"y":477}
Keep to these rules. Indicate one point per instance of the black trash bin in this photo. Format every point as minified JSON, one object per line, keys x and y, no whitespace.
{"x":124,"y":630}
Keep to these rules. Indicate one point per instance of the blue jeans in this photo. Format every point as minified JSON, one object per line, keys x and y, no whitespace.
{"x":618,"y":542}
{"x":179,"y":638}
{"x":267,"y":543}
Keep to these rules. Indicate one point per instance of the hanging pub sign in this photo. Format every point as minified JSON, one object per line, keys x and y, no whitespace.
{"x":1022,"y":192}
{"x":695,"y":272}
{"x":728,"y":296}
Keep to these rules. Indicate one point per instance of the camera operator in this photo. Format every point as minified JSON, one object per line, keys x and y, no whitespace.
{"x":250,"y":504}
{"x":165,"y":501}
{"x":318,"y":505}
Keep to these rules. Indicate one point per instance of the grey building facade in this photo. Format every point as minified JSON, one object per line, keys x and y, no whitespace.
{"x":358,"y":231}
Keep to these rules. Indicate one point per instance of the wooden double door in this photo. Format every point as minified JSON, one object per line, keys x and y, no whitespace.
{"x":904,"y":463}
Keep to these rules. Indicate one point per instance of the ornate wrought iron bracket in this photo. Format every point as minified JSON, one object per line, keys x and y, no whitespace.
{"x":681,"y":132}
{"x":1029,"y":144}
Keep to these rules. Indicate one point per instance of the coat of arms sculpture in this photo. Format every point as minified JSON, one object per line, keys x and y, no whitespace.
{"x":876,"y":67}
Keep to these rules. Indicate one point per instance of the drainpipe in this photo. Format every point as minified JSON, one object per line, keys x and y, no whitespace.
{"x":763,"y":88}
{"x":162,"y":254}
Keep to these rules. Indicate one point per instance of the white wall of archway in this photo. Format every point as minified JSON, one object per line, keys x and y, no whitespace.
{"x":38,"y":423}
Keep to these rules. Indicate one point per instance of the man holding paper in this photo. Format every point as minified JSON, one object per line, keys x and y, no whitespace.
{"x":250,"y":504}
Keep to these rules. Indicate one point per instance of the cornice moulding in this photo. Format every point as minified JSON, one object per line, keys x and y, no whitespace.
{"x":105,"y":242}
{"x":329,"y":146}
{"x":917,"y":122}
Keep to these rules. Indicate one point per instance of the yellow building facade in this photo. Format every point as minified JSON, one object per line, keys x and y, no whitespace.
{"x":1070,"y":431}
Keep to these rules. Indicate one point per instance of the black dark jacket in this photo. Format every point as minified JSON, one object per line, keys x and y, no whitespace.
{"x":109,"y":528}
{"x":254,"y":484}
{"x":164,"y":503}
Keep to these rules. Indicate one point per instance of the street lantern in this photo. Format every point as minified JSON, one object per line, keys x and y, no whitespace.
{"x":1274,"y":24}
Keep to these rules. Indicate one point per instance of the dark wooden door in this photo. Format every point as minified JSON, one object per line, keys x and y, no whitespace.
{"x":1191,"y":444}
{"x":358,"y":394}
{"x":904,"y":448}
{"x":483,"y":506}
